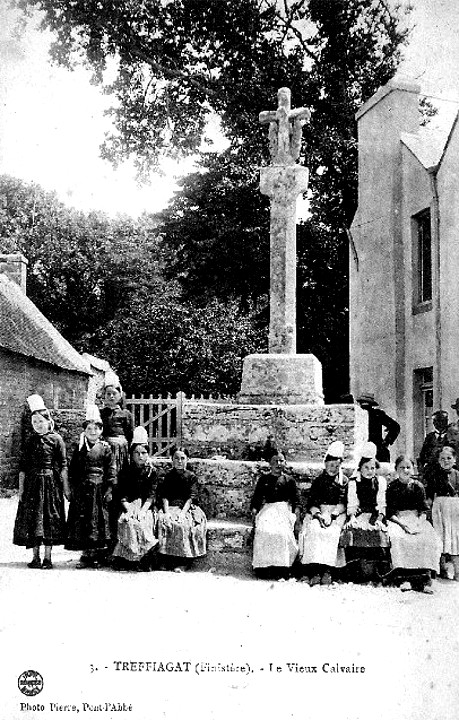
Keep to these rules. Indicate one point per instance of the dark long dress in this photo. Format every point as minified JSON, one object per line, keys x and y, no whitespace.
{"x":40,"y":518}
{"x":91,"y":474}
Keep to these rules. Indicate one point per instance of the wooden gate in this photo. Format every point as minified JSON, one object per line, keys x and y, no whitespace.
{"x":162,"y":419}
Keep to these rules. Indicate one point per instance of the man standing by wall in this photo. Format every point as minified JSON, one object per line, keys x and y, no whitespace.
{"x":378,"y":422}
{"x":434,"y":442}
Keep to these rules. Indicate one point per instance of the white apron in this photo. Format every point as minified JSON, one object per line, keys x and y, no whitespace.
{"x":274,"y":543}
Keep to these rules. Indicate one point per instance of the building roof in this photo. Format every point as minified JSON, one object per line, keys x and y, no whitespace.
{"x":95,"y":362}
{"x":429,"y":143}
{"x":26,"y":331}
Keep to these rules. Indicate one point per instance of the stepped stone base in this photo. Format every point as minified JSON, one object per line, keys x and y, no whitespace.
{"x":226,"y":486}
{"x":304,"y":432}
{"x":281,"y":379}
{"x":229,"y":548}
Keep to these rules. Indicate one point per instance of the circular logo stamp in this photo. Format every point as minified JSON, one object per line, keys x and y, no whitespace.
{"x":30,"y":682}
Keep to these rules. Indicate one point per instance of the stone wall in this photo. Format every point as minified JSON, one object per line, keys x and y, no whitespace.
{"x":63,"y":391}
{"x":226,"y":486}
{"x":303,"y":431}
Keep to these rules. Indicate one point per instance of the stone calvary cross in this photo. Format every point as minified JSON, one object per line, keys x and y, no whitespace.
{"x":283,"y":181}
{"x":281,"y":376}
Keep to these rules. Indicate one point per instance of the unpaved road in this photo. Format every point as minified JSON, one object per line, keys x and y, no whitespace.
{"x":219,"y":647}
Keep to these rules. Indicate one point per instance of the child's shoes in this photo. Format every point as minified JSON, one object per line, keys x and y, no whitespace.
{"x":35,"y":564}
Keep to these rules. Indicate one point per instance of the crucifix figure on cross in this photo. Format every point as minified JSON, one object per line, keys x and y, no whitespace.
{"x":285,"y":127}
{"x":282,"y":375}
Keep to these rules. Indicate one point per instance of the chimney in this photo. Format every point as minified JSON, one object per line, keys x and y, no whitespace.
{"x":14,"y":265}
{"x":391,"y":111}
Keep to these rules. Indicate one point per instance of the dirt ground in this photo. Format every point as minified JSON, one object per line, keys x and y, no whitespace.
{"x":198,"y":645}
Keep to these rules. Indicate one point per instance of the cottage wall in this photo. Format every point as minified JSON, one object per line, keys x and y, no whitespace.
{"x":448,"y":193}
{"x":419,"y":336}
{"x":377,"y":300}
{"x":64,"y":392}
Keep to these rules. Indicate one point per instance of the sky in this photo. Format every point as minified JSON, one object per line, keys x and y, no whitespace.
{"x":52,"y":120}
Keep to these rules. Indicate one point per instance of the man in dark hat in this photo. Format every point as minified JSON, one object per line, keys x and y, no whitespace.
{"x":452,"y":433}
{"x":433,"y":443}
{"x":378,"y":422}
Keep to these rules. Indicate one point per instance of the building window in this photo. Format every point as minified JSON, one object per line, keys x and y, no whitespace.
{"x":422,"y":406}
{"x":423,"y":256}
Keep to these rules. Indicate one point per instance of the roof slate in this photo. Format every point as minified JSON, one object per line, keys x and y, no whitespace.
{"x":25,"y":330}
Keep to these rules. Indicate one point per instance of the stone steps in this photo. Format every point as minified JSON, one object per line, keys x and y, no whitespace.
{"x":226,"y":486}
{"x":229,"y":548}
{"x":303,"y":432}
{"x":225,"y":492}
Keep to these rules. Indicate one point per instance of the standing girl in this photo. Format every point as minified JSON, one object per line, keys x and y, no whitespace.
{"x":182,"y":525}
{"x":414,"y":545}
{"x":118,"y":423}
{"x":443,"y":491}
{"x":91,"y":479}
{"x":40,"y":518}
{"x":118,"y":428}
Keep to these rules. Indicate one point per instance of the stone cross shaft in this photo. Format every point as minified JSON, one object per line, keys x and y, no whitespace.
{"x":283,"y":181}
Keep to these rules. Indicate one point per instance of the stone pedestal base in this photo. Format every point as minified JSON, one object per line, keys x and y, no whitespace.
{"x":281,"y":379}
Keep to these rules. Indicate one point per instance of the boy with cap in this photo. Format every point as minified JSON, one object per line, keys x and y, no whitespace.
{"x":378,"y":422}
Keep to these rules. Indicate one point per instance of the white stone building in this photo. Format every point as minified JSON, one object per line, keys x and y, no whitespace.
{"x":404,"y":260}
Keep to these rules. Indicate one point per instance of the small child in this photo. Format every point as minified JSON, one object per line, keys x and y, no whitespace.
{"x":40,"y":518}
{"x":91,"y":479}
{"x":118,"y":423}
{"x":118,"y":429}
{"x":443,"y":495}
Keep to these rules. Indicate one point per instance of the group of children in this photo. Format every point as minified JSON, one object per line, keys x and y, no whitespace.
{"x":362,"y":527}
{"x":359,"y":528}
{"x":119,"y":513}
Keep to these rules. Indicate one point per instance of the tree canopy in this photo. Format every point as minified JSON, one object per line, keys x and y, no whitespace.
{"x":101,"y":282}
{"x":169,"y":66}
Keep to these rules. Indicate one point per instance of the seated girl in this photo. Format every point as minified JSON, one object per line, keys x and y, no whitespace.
{"x":414,"y":545}
{"x":136,"y":493}
{"x":182,"y":525}
{"x":320,"y":534}
{"x":365,"y":534}
{"x":275,"y":515}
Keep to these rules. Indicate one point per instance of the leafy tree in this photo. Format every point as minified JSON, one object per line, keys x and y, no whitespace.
{"x":163,"y":342}
{"x":177,"y":62}
{"x":82,"y":267}
{"x":215,"y":232}
{"x":100,"y":281}
{"x":173,"y":64}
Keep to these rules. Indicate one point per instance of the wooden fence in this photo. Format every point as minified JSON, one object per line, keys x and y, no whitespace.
{"x":162,"y":419}
{"x":161,"y":416}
